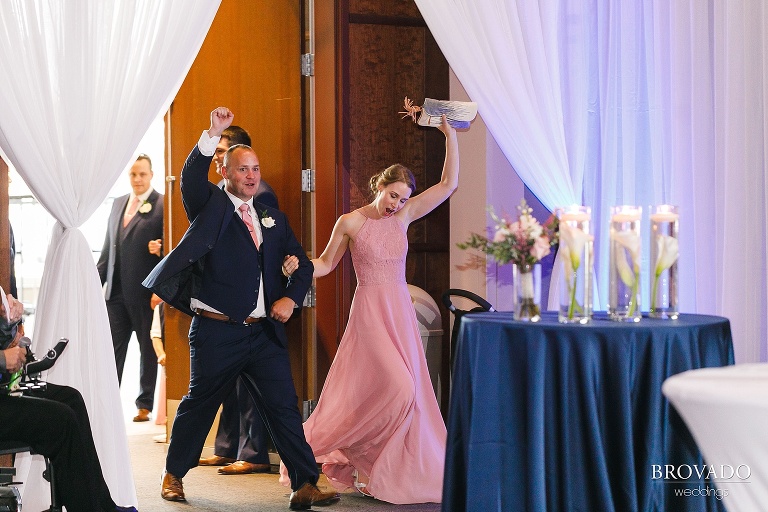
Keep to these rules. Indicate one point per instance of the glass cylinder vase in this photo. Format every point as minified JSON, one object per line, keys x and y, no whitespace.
{"x":576,"y":254}
{"x":624,"y":264}
{"x":664,"y":257}
{"x":526,"y":300}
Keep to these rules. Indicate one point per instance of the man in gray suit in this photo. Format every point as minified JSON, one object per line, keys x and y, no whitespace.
{"x":132,"y":248}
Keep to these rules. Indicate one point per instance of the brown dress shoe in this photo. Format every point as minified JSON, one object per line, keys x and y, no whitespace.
{"x":143,"y":415}
{"x":172,"y":488}
{"x":308,"y":495}
{"x":242,"y":467}
{"x":215,"y":461}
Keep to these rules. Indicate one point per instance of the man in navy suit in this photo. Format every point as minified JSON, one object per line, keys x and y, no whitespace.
{"x":241,"y":439}
{"x":132,"y":248}
{"x":227,"y":273}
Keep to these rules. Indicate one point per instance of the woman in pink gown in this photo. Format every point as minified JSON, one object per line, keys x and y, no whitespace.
{"x":377,"y":425}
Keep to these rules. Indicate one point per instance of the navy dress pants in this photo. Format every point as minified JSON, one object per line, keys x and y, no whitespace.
{"x":219,"y":354}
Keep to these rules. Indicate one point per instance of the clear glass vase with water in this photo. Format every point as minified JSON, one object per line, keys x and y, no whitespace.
{"x":664,"y":257}
{"x":575,"y":250}
{"x":624,"y":264}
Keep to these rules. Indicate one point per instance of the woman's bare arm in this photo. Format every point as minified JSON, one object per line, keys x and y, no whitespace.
{"x":337,"y":246}
{"x":420,"y":205}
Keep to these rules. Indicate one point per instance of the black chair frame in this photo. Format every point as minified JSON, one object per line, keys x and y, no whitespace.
{"x":482,"y":305}
{"x":14,"y":447}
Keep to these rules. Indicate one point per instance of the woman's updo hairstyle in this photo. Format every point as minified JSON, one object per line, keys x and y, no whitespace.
{"x":393,"y":174}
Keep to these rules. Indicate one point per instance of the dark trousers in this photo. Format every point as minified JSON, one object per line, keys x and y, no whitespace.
{"x":219,"y":354}
{"x":241,"y":434}
{"x":55,"y":423}
{"x":126,"y":317}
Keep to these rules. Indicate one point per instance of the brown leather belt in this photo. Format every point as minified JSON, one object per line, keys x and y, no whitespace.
{"x":224,"y":318}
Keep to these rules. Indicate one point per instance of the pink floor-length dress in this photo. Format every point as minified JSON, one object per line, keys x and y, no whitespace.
{"x":377,"y":413}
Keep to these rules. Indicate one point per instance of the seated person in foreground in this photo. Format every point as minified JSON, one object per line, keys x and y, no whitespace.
{"x":54,"y":422}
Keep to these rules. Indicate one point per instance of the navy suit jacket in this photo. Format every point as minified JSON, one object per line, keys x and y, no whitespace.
{"x":179,"y":276}
{"x":136,"y":261}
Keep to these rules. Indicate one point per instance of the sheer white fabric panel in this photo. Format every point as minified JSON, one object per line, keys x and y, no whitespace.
{"x":530,"y":85}
{"x":507,"y":57}
{"x":87,"y":80}
{"x":634,"y":103}
{"x":740,"y":34}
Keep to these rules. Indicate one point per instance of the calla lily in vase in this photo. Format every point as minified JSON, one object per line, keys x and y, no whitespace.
{"x":667,"y":249}
{"x":624,"y":279}
{"x":629,"y":271}
{"x":572,"y":242}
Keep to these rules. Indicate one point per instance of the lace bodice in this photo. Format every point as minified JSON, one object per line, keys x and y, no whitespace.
{"x":378,"y":252}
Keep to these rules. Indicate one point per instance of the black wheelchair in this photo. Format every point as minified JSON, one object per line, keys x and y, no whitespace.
{"x":27,"y":379}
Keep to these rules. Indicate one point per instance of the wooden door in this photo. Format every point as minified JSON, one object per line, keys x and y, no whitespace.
{"x":250,"y":63}
{"x":381,"y":51}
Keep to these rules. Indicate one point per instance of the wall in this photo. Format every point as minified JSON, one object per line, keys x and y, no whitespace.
{"x":486,"y":178}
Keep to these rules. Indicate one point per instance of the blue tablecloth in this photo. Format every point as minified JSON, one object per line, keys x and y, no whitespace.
{"x":556,"y":417}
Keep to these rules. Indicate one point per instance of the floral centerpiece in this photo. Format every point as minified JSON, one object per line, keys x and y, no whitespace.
{"x":522,"y":242}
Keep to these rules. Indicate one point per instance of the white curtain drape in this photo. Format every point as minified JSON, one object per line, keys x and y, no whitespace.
{"x":84,"y":80}
{"x":654,"y":102}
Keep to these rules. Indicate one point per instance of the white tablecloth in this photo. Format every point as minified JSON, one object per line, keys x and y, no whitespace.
{"x":726,"y":410}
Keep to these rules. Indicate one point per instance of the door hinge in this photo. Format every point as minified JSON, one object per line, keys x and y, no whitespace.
{"x":307,"y":64}
{"x":309,"y":299}
{"x":307,"y":180}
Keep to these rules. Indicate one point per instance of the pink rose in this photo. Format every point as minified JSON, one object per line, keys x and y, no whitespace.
{"x":540,"y":248}
{"x":501,"y":235}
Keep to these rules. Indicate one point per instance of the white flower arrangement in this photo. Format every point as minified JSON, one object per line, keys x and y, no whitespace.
{"x":145,"y":207}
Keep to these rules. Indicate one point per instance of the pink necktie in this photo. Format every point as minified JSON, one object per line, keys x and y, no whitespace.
{"x":131,"y":211}
{"x":248,"y":222}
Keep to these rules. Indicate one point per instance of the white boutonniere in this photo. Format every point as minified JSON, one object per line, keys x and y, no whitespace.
{"x":145,"y":207}
{"x":266,"y":220}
